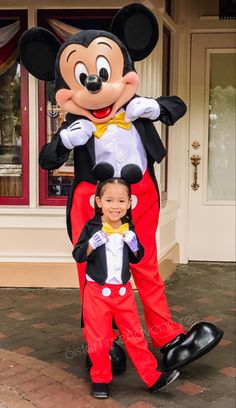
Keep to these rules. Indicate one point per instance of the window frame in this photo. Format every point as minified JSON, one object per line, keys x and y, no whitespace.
{"x":24,"y":110}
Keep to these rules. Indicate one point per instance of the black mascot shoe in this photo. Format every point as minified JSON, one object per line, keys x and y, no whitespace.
{"x":118,"y":359}
{"x":100,"y":390}
{"x":163,"y":381}
{"x":188,"y":347}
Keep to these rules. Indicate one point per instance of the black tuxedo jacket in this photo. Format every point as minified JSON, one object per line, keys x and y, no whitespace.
{"x":54,"y":154}
{"x":96,"y":266}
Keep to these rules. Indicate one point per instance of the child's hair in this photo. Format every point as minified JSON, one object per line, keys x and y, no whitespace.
{"x":99,"y":192}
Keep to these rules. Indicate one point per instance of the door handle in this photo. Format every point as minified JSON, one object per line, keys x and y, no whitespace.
{"x":195,"y":160}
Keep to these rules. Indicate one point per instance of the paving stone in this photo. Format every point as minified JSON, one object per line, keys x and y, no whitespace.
{"x":11,"y":371}
{"x":229,"y":371}
{"x":17,"y":316}
{"x":142,"y":404}
{"x":40,"y":326}
{"x":191,"y":388}
{"x":32,"y":384}
{"x":177,"y":308}
{"x":24,"y":350}
{"x":224,"y":342}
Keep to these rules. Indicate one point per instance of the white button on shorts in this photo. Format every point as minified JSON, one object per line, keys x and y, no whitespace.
{"x":122,"y":291}
{"x":106,"y":292}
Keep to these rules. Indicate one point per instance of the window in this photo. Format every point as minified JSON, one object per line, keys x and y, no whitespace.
{"x":54,"y":186}
{"x":166,"y":66}
{"x":14,"y":148}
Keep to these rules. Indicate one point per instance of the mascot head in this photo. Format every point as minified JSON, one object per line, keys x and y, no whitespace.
{"x":93,"y":70}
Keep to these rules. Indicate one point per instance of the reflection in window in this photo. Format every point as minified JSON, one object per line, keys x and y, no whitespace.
{"x":11,"y":174}
{"x":222,"y":129}
{"x":10,"y":134}
{"x":59,"y":180}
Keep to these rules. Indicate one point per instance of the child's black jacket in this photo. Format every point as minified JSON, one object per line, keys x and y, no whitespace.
{"x":96,"y":262}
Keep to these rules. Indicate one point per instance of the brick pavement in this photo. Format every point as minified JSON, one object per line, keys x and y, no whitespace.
{"x":42,"y":349}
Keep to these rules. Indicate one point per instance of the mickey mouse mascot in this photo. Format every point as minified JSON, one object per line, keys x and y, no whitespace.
{"x":110,"y":128}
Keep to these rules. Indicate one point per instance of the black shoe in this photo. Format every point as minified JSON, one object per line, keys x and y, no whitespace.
{"x":100,"y":390}
{"x":188,"y":347}
{"x":177,"y":340}
{"x":118,"y":359}
{"x":164,"y":380}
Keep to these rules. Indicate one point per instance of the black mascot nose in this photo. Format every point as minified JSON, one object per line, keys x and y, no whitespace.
{"x":93,"y":83}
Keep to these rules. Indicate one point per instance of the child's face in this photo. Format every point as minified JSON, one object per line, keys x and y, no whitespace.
{"x":114,"y":202}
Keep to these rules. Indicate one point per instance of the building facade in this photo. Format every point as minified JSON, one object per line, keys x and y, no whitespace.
{"x":194,"y":59}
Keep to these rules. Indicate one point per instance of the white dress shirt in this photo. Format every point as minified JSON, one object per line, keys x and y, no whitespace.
{"x":119,"y":147}
{"x":114,"y":256}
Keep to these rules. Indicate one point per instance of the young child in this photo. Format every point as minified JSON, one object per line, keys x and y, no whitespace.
{"x":108,"y":243}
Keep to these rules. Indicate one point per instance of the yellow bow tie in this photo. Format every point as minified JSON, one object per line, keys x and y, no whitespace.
{"x":118,"y":120}
{"x":109,"y":230}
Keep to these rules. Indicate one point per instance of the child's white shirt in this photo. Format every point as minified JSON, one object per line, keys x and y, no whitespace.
{"x":114,"y":256}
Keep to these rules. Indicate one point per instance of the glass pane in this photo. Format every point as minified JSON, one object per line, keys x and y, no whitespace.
{"x":10,"y":133}
{"x":59,"y":180}
{"x":166,"y":66}
{"x":221,"y":147}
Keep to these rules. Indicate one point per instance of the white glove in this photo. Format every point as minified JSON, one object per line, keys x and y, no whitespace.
{"x":98,"y":239}
{"x":131,"y":240}
{"x":142,"y":108}
{"x":77,"y":134}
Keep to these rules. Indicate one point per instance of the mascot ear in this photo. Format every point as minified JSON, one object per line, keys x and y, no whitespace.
{"x":137,"y":28}
{"x":38,"y":50}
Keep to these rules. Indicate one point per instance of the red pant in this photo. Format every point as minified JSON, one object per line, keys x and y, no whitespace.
{"x":99,"y":309}
{"x":161,"y":327}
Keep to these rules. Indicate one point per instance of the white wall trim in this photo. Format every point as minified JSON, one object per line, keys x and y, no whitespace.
{"x":32,"y":211}
{"x":29,"y":222}
{"x":36,"y":257}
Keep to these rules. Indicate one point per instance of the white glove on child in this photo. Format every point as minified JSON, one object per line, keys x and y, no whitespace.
{"x":131,"y":240}
{"x":142,"y":108}
{"x":98,"y":239}
{"x":77,"y":134}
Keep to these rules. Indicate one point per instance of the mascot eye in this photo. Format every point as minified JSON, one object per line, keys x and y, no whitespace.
{"x":81,"y":73}
{"x":103,"y":69}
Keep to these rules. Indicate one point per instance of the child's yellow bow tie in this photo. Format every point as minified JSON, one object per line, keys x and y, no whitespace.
{"x":109,"y":230}
{"x":118,"y":120}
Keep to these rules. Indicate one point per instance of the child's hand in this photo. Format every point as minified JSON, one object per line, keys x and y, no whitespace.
{"x":77,"y":134}
{"x":142,"y":108}
{"x":131,"y":240}
{"x":98,"y":239}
